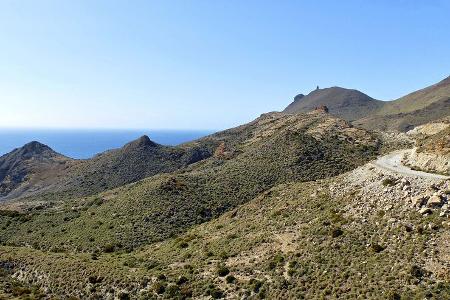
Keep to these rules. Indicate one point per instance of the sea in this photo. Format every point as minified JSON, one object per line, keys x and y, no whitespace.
{"x":83,"y":144}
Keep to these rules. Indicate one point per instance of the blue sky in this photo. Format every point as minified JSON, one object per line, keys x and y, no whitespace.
{"x":206,"y":64}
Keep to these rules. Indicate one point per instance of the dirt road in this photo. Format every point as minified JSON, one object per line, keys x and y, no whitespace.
{"x":393,"y":162}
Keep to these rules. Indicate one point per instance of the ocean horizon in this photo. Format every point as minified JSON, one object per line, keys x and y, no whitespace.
{"x":86,"y":143}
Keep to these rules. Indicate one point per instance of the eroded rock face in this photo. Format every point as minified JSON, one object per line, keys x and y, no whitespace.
{"x":428,"y":161}
{"x":429,"y":129}
{"x":432,"y":153}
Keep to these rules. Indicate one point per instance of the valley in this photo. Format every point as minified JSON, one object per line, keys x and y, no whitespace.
{"x":293,"y":205}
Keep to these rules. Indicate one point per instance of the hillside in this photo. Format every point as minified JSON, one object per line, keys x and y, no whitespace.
{"x":54,"y":175}
{"x":419,"y":99}
{"x":287,"y":206}
{"x":403,"y":114}
{"x":417,"y":108}
{"x":29,"y":168}
{"x":344,"y":103}
{"x":136,"y":160}
{"x":432,"y":152}
{"x":274,"y":149}
{"x":358,"y":235}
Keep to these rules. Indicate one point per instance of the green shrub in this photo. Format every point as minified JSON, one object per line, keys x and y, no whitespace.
{"x":388,"y":182}
{"x":230,"y":279}
{"x":181,"y":280}
{"x":109,"y":248}
{"x":222,"y":270}
{"x":183,"y":245}
{"x":417,"y":271}
{"x":172,"y":291}
{"x":336,"y":232}
{"x":159,"y":288}
{"x":215,"y":293}
{"x":376,"y":247}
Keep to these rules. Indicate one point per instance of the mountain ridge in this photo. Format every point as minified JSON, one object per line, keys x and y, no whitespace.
{"x":285,"y":206}
{"x":136,"y":160}
{"x":345,"y":103}
{"x":414,"y":109}
{"x":21,"y":169}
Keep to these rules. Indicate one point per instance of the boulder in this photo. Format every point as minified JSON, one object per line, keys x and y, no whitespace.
{"x":418,"y":201}
{"x":425,"y":211}
{"x":434,"y":201}
{"x":405,"y":181}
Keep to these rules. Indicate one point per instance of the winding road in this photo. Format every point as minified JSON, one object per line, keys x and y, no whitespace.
{"x":393,"y":162}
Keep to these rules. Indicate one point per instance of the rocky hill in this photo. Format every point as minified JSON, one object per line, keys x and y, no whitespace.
{"x":344,"y":103}
{"x":29,"y":168}
{"x":136,"y":160}
{"x":403,"y":114}
{"x":417,"y":108}
{"x":274,"y":149}
{"x":432,"y":153}
{"x":35,"y":170}
{"x":290,"y":205}
{"x":363,"y":234}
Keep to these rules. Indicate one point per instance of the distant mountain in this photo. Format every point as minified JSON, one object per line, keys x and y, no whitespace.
{"x":417,"y":108}
{"x":136,"y":160}
{"x":36,"y":169}
{"x":403,"y":114}
{"x":287,"y":206}
{"x":29,"y":168}
{"x":344,"y":103}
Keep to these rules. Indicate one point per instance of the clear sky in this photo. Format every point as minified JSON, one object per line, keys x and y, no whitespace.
{"x":208,"y":64}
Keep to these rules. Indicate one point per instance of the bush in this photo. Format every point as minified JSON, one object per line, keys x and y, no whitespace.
{"x":256,"y":285}
{"x":388,"y":182}
{"x":181,"y":280}
{"x":230,"y":279}
{"x":417,"y":272}
{"x":162,"y":277}
{"x":377,"y":247}
{"x":393,"y":296}
{"x":109,"y":248}
{"x":159,"y":288}
{"x":151,"y":264}
{"x":336,"y":232}
{"x":215,"y":293}
{"x":183,"y":245}
{"x":172,"y":291}
{"x":222,"y":270}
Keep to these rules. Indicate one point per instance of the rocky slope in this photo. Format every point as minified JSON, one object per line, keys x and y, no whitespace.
{"x":363,"y":234}
{"x":403,"y":114}
{"x":29,"y":168}
{"x":40,"y":172}
{"x":250,"y":159}
{"x":432,"y":153}
{"x":136,"y":160}
{"x":417,"y":108}
{"x":344,"y":103}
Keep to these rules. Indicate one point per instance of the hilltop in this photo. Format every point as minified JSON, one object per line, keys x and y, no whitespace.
{"x":35,"y":169}
{"x":274,"y":149}
{"x":293,"y":205}
{"x":403,"y":114}
{"x":344,"y":103}
{"x":29,"y":168}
